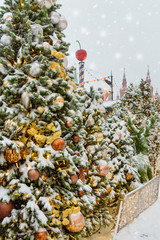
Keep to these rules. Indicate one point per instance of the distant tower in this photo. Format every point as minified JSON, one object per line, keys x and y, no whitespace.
{"x":148,"y":80}
{"x":123,"y":90}
{"x":117,"y":98}
{"x":156,"y":94}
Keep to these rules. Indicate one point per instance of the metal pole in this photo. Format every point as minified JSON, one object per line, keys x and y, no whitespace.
{"x":119,"y":209}
{"x":81,"y":73}
{"x":111,"y":86}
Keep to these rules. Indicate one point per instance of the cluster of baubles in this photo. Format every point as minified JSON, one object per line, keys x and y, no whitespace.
{"x":75,"y":221}
{"x":57,"y":19}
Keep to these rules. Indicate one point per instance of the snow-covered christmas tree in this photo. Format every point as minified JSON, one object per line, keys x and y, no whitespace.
{"x":138,"y":104}
{"x":124,"y":176}
{"x":43,"y":191}
{"x":96,"y":147}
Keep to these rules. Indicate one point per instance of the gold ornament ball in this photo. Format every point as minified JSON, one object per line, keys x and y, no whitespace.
{"x":58,"y":144}
{"x":40,"y":110}
{"x":109,"y":189}
{"x":41,"y":235}
{"x":11,"y":156}
{"x":33,"y":174}
{"x":5,"y":209}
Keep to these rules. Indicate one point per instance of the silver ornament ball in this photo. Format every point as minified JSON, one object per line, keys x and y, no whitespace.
{"x":7,"y":16}
{"x":4,"y":27}
{"x":35,"y":69}
{"x":46,"y":45}
{"x":65,"y":61}
{"x":62,"y":25}
{"x":45,"y":3}
{"x":36,"y":29}
{"x":25,"y":98}
{"x":55,"y":17}
{"x":2,"y":69}
{"x":6,"y":40}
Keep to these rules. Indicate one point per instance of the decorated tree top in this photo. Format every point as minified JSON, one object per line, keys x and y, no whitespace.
{"x":138,"y":101}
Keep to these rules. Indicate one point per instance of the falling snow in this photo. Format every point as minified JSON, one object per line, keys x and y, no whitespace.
{"x":115,"y":34}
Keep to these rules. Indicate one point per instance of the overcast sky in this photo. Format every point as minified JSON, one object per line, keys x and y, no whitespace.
{"x":116,"y":34}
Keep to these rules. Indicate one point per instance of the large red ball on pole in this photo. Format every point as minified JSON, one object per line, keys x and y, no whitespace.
{"x":81,"y":54}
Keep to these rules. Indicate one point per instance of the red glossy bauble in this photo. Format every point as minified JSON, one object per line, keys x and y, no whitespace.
{"x":68,"y":124}
{"x":76,"y":139}
{"x":74,"y":178}
{"x":77,"y":222}
{"x":81,"y":175}
{"x":41,"y":236}
{"x":58,"y":144}
{"x":81,"y":54}
{"x":90,"y":212}
{"x":102,"y":170}
{"x":5,"y":209}
{"x":81,"y":193}
{"x":33,"y":174}
{"x":78,"y":154}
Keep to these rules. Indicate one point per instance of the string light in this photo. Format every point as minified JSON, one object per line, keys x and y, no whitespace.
{"x":132,"y":207}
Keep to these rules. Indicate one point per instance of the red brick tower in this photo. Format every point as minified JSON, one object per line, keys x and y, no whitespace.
{"x":148,"y":80}
{"x":123,"y":90}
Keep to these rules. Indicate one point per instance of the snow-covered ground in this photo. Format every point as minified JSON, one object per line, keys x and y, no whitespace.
{"x":145,"y":227}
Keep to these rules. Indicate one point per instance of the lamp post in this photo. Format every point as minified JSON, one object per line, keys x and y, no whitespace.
{"x":110,"y":83}
{"x":81,"y":55}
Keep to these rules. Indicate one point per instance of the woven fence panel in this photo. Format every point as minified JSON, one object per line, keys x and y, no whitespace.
{"x":158,"y":164}
{"x":138,"y":200}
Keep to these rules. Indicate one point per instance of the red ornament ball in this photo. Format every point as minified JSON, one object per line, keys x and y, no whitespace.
{"x":41,"y":236}
{"x":33,"y":174}
{"x":76,"y":139}
{"x":81,"y":54}
{"x":129,"y":176}
{"x":68,"y":124}
{"x":81,"y":193}
{"x":5,"y":209}
{"x":74,"y":178}
{"x":58,"y":144}
{"x":81,"y":175}
{"x":77,"y":222}
{"x":77,"y":153}
{"x":102,"y":170}
{"x":90,"y":212}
